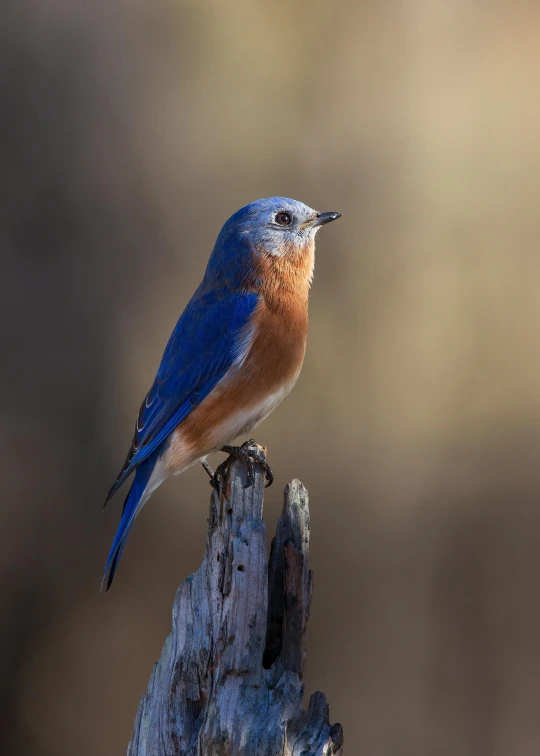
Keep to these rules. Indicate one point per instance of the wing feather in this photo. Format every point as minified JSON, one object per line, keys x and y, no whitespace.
{"x":203,"y":346}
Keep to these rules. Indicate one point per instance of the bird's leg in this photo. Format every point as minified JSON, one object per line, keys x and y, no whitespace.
{"x":208,"y":469}
{"x":211,"y":475}
{"x":249,"y":453}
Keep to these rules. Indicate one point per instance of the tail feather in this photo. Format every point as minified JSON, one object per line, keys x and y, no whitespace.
{"x":136,"y":498}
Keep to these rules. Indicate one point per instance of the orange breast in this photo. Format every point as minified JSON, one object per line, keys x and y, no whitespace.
{"x":269,"y":370}
{"x":271,"y":366}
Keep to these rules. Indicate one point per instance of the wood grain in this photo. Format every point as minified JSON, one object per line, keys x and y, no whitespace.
{"x":229,"y":679}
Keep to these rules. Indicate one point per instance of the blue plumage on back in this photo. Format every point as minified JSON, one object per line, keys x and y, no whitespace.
{"x":201,"y":349}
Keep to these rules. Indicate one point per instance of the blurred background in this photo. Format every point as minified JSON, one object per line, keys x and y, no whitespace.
{"x":128,"y":133}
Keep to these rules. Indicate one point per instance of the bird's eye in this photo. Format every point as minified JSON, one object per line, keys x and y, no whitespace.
{"x":283,"y":219}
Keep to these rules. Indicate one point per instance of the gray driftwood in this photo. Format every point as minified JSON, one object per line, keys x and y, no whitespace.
{"x":229,"y":680}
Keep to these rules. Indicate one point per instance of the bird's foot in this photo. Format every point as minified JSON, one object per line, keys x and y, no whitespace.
{"x":250,"y":453}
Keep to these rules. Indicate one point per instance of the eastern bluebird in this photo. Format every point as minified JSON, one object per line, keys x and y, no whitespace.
{"x":235,"y":353}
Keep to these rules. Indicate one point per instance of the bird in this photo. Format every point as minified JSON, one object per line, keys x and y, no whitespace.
{"x":234,"y":354}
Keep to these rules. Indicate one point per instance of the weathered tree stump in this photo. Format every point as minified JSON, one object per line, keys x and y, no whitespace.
{"x":229,"y":680}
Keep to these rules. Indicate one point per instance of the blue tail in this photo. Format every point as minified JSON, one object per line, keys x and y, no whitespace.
{"x":130,"y":511}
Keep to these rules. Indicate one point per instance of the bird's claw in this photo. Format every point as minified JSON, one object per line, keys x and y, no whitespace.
{"x":250,"y":453}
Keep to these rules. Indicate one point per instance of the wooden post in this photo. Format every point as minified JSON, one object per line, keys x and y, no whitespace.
{"x":229,"y":679}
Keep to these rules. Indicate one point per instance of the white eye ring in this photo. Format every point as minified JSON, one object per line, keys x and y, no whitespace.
{"x":283,"y":218}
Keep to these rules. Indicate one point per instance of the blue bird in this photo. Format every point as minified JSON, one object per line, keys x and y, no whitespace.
{"x":234,"y":354}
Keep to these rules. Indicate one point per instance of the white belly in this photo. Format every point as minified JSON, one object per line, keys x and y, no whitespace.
{"x":246,"y":420}
{"x":181,"y":454}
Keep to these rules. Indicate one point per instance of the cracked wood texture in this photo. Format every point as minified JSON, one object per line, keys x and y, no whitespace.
{"x":229,"y":679}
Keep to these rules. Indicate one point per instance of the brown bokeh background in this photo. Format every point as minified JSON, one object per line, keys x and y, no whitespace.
{"x":129,"y":133}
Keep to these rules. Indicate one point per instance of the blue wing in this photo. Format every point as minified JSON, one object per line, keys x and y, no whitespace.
{"x":202,"y":347}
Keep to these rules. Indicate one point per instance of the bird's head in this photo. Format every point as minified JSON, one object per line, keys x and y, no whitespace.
{"x":276,"y":225}
{"x":271,"y":229}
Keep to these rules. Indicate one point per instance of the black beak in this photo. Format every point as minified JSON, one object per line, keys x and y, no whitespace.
{"x":323,"y":218}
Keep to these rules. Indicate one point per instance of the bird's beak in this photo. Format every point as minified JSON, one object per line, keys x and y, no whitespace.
{"x":323,"y":218}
